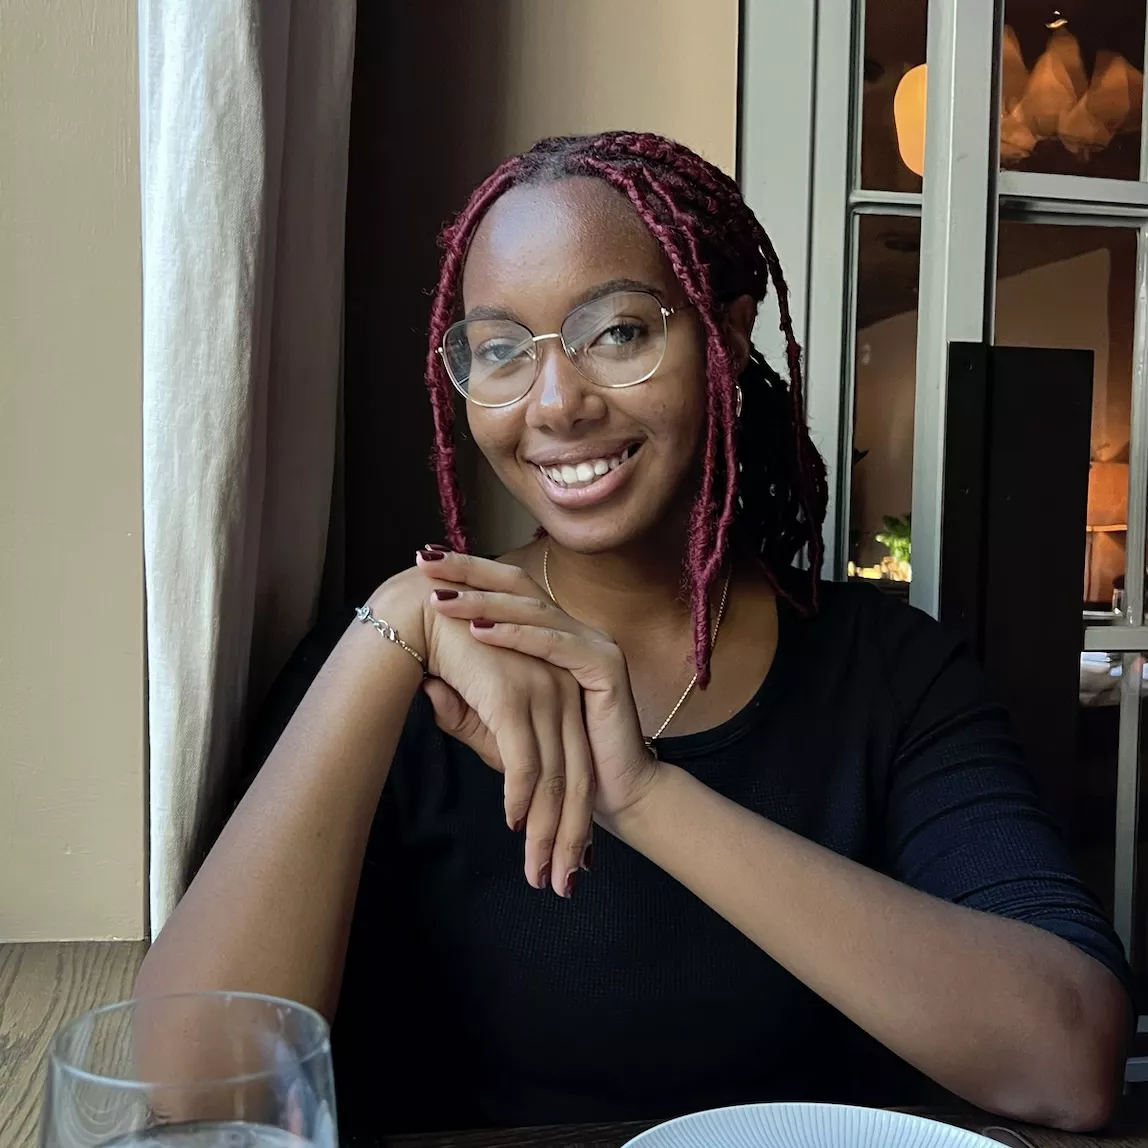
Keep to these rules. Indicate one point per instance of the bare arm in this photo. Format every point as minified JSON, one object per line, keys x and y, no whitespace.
{"x":270,"y":910}
{"x":1007,"y":1015}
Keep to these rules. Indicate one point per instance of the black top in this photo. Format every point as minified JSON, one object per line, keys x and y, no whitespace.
{"x":471,"y":999}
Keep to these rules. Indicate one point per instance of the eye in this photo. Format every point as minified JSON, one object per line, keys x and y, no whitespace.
{"x":498,"y":352}
{"x":621,"y":333}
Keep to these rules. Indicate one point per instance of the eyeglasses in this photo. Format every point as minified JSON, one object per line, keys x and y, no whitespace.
{"x":616,"y":341}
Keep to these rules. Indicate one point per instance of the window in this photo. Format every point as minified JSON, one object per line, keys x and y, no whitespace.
{"x":885,"y":369}
{"x":903,"y":261}
{"x":1072,"y":84}
{"x":1060,"y":285}
{"x":892,"y":96}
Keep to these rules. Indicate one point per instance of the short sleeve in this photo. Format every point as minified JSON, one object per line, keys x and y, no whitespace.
{"x":963,"y":821}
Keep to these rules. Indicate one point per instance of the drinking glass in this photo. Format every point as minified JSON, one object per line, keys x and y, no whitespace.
{"x":196,"y":1070}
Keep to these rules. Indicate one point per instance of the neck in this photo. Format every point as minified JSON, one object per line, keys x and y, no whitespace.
{"x":635,"y":590}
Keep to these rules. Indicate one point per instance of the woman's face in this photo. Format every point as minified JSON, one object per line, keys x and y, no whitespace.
{"x":538,"y":253}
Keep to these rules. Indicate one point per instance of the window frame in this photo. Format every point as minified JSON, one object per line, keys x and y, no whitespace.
{"x":814,"y":217}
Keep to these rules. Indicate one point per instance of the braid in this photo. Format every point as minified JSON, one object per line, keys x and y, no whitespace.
{"x":705,"y":550}
{"x":719,"y":252}
{"x":454,"y":242}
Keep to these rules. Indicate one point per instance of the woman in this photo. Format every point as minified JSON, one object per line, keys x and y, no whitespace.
{"x":785,"y":827}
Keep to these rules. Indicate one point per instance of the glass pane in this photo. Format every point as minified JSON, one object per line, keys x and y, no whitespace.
{"x":1091,"y":800}
{"x":1139,"y":954}
{"x":893,"y":95}
{"x":1061,"y":286}
{"x":888,"y":267}
{"x":1072,"y":83}
{"x":1093,"y":829}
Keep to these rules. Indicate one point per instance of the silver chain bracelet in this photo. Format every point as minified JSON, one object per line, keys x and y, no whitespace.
{"x":363,"y":613}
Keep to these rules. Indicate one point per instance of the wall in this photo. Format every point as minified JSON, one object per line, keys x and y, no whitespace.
{"x":436,"y":108}
{"x":71,"y":589}
{"x":668,"y":66}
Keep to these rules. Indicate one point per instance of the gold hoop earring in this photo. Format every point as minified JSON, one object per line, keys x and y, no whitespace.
{"x":737,"y":400}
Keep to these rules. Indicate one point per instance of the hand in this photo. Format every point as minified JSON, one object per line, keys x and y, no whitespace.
{"x":524,"y":718}
{"x":508,"y":609}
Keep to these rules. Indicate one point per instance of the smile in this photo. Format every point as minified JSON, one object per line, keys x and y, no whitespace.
{"x":588,"y":481}
{"x":588,"y":472}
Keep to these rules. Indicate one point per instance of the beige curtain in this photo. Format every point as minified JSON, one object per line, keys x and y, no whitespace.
{"x":245,"y":108}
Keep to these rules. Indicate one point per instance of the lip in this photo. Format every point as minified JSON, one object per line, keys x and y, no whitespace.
{"x":585,"y":453}
{"x":578,"y":498}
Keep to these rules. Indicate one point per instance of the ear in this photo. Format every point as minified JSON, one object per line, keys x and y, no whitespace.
{"x":739,"y":320}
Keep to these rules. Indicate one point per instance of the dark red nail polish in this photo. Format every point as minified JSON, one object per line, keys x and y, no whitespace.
{"x":446,"y":595}
{"x":482,"y":624}
{"x":544,"y":876}
{"x":588,"y":856}
{"x":436,"y":546}
{"x":431,"y":555}
{"x":571,"y":880}
{"x":519,"y":825}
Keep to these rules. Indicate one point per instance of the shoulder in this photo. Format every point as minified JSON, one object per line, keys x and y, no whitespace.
{"x":886,"y":648}
{"x":860,"y":618}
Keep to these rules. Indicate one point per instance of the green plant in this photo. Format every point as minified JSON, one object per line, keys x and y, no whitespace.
{"x":897,"y":537}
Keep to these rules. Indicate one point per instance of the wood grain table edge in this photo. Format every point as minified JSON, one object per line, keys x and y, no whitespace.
{"x":43,"y":986}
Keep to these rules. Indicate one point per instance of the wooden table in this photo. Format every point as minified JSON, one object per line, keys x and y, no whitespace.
{"x":44,"y":986}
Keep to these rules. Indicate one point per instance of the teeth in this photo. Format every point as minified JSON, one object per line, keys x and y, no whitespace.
{"x":584,"y":473}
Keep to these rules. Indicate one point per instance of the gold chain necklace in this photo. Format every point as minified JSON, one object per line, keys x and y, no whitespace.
{"x":651,"y":742}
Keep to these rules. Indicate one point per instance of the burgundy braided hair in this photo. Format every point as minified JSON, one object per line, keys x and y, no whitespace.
{"x":719,"y":251}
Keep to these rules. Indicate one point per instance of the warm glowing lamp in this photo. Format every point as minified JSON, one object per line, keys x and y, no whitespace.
{"x":909,"y":116}
{"x":1080,"y":131}
{"x":1116,"y":93}
{"x":1014,"y":75}
{"x":1017,"y":140}
{"x":1058,"y":80}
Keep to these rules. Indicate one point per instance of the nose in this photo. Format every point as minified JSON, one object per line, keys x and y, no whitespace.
{"x":561,"y":400}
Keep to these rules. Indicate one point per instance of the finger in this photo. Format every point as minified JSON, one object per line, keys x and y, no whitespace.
{"x":521,"y":763}
{"x":498,"y":607}
{"x":549,"y":796}
{"x":455,"y":718}
{"x":594,"y":663}
{"x":477,"y":573}
{"x":575,"y":826}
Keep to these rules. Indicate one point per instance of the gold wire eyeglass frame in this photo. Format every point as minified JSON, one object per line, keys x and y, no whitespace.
{"x":571,"y":355}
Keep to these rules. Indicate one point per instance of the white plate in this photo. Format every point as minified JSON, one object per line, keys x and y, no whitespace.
{"x":806,"y":1126}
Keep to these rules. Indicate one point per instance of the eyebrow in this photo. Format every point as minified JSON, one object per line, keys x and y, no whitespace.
{"x":596,"y":292}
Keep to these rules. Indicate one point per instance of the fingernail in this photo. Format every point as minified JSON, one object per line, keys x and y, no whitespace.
{"x":544,"y":876}
{"x":571,"y":880}
{"x":431,"y":555}
{"x":446,"y":595}
{"x":519,"y":825}
{"x":482,"y":624}
{"x":588,"y":856}
{"x":436,"y":546}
